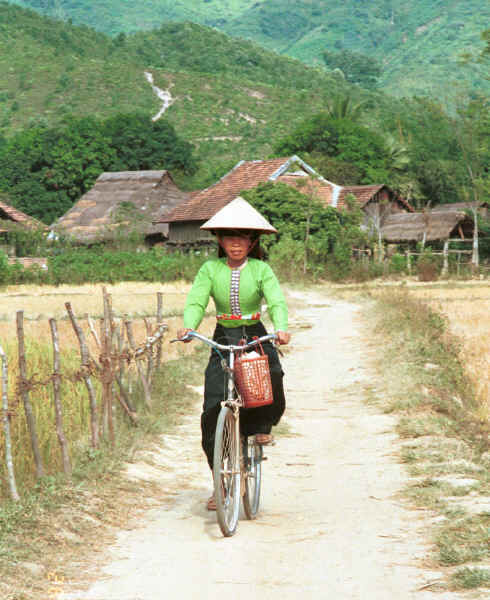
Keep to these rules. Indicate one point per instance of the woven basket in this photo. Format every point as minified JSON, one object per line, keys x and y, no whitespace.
{"x":253,"y":380}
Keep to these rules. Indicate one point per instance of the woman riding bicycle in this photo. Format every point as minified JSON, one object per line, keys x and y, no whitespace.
{"x":237,"y":281}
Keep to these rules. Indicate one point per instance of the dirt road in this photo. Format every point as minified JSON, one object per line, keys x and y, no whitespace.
{"x":331,"y":523}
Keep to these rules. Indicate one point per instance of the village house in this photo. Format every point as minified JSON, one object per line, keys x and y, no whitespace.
{"x":444,"y":226}
{"x":12,"y":219}
{"x":120,"y":203}
{"x":376,"y":201}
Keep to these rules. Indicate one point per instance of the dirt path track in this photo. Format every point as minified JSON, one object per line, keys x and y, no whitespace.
{"x":331,"y":525}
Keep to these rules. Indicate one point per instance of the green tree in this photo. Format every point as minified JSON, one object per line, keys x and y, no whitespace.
{"x":356,"y":67}
{"x":300,"y":216}
{"x":140,"y":143}
{"x":45,"y":170}
{"x":344,"y":140}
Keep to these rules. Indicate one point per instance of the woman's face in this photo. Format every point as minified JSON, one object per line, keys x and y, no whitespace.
{"x":236,"y":246}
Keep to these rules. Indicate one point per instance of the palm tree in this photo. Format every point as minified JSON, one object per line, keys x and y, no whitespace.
{"x":342,"y":107}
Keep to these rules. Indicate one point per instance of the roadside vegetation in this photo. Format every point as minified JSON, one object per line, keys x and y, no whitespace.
{"x":77,"y":516}
{"x":432,"y":385}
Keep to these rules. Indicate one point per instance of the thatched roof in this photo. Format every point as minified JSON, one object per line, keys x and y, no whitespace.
{"x":410,"y":227}
{"x":9,"y":214}
{"x":460,"y":206}
{"x":122,"y":202}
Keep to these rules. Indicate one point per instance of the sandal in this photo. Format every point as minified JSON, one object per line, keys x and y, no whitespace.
{"x":211,"y":503}
{"x":264,"y":439}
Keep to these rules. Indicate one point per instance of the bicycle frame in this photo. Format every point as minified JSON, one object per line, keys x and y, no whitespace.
{"x":230,"y":476}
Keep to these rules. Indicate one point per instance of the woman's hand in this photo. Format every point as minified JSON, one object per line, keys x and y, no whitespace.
{"x":283,"y":337}
{"x":182,"y":333}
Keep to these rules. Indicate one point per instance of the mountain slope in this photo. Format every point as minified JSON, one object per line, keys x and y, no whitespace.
{"x":419,"y":43}
{"x":232,"y":103}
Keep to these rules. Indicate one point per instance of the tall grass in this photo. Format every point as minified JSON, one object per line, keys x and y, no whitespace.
{"x":75,"y":412}
{"x":421,"y":339}
{"x":39,"y":358}
{"x":467,"y":311}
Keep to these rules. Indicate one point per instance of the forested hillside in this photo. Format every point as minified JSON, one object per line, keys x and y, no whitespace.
{"x":75,"y":102}
{"x":418,"y":44}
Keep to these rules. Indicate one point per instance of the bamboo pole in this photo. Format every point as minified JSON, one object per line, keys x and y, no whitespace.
{"x":57,"y":399}
{"x":14,"y":494}
{"x":31,"y":421}
{"x":475,"y":258}
{"x":445,"y":252}
{"x":144,"y":381}
{"x":409,"y":261}
{"x":85,"y":356}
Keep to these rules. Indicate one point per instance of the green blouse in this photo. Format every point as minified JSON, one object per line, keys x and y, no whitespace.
{"x":255,"y":281}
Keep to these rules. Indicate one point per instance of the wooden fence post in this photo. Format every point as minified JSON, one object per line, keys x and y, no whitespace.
{"x":149,"y":356}
{"x":14,"y":494}
{"x":57,"y":399}
{"x":23,"y":386}
{"x":107,"y":378}
{"x":144,"y":382}
{"x":85,"y":356}
{"x":158,"y":359}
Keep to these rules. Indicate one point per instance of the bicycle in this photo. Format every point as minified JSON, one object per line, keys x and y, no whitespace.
{"x":237,"y":463}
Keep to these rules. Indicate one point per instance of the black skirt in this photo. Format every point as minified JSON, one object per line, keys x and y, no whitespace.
{"x":252,"y":420}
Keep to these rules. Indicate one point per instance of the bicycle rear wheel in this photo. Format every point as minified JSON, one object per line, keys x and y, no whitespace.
{"x":252,"y":456}
{"x":226,"y":472}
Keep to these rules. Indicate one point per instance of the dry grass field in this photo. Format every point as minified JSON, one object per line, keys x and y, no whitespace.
{"x":137,"y":301}
{"x":468,"y":311}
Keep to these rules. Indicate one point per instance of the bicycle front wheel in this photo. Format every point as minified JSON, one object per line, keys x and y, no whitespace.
{"x":226,"y":472}
{"x":252,"y":456}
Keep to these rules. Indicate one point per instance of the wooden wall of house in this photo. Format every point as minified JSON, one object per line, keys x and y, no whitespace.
{"x":188,"y":232}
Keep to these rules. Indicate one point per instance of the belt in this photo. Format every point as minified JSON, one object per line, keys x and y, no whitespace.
{"x":252,"y":317}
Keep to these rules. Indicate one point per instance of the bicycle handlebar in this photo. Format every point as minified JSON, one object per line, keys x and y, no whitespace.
{"x":230,"y":347}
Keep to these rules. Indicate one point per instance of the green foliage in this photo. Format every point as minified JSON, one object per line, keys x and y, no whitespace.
{"x":356,"y":67}
{"x":27,"y":242}
{"x":398,"y":263}
{"x":232,"y":99}
{"x":472,"y":577}
{"x":310,"y":234}
{"x":141,"y":144}
{"x":89,"y":265}
{"x":346,"y":141}
{"x":418,"y":42}
{"x":45,"y":170}
{"x":4,"y":268}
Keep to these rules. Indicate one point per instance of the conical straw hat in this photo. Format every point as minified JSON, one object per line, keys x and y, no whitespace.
{"x":239,"y":214}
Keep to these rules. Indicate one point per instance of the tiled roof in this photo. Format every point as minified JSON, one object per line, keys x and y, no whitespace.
{"x":202,"y":205}
{"x":364,"y":193}
{"x":245,"y":176}
{"x":320,"y":189}
{"x":13,"y":214}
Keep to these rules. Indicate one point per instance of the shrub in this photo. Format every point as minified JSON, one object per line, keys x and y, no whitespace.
{"x":398,"y":263}
{"x":427,"y":266}
{"x":4,"y":268}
